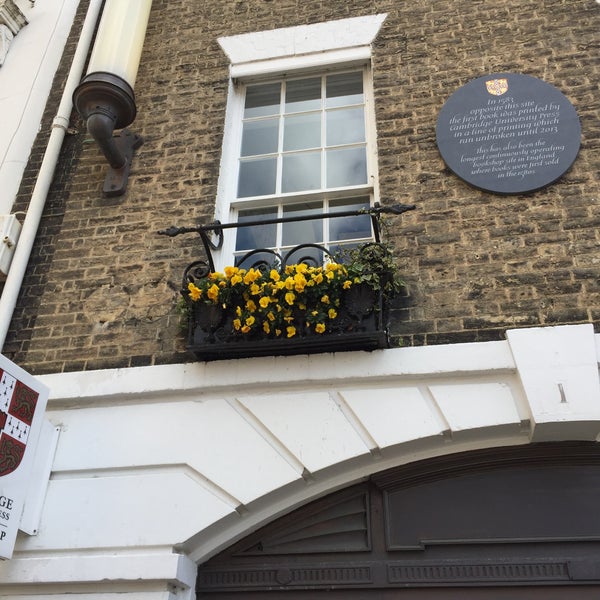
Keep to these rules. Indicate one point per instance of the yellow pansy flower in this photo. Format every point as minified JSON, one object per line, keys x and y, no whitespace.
{"x":195,"y":292}
{"x":213,"y":292}
{"x":290,"y":297}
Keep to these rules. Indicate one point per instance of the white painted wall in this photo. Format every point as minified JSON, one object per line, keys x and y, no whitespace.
{"x":25,"y":81}
{"x":158,"y":468}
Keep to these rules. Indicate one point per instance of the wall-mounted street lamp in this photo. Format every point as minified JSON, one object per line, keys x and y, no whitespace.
{"x":105,"y":97}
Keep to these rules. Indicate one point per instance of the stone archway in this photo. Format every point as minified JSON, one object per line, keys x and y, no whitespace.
{"x":509,"y":523}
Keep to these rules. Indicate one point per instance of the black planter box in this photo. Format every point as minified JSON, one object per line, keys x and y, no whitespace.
{"x":361,"y":325}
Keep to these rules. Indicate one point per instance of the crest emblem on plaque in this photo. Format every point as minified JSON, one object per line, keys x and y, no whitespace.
{"x":17,"y":407}
{"x":497,"y":87}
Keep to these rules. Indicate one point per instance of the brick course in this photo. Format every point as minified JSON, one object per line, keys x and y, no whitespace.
{"x":102,"y":285}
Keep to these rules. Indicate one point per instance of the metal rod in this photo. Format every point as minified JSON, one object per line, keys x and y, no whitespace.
{"x":217,"y":226}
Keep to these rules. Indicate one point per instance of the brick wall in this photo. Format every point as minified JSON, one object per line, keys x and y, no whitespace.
{"x":102,"y":285}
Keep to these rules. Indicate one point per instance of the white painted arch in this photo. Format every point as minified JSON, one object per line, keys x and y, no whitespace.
{"x":159,"y":468}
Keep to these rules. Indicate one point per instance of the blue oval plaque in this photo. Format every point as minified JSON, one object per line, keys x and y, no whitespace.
{"x":508,"y":133}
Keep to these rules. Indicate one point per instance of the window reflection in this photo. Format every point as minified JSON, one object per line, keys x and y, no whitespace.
{"x":349,"y":228}
{"x":303,"y":232}
{"x":257,"y":177}
{"x":344,"y":89}
{"x":347,"y":166}
{"x":303,"y":94}
{"x":262,"y":100}
{"x":302,"y":131}
{"x":301,"y":172}
{"x":345,"y":126}
{"x":256,"y":236}
{"x":260,"y":137}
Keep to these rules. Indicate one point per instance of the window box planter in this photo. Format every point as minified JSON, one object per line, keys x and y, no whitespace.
{"x":293,"y":309}
{"x":358,"y":326}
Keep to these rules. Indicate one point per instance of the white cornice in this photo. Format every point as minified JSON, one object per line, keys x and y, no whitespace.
{"x":304,"y":46}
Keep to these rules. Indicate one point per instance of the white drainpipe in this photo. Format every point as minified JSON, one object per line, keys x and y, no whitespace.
{"x":14,"y":279}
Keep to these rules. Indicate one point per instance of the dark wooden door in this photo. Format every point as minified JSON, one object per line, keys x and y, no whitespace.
{"x":513,"y":523}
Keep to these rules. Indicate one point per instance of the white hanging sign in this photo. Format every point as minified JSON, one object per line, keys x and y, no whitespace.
{"x":22,"y":405}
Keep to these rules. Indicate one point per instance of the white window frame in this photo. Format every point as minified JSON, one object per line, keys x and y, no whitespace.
{"x":294,"y":51}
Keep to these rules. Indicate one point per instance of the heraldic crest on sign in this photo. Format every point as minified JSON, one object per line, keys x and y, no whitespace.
{"x":17,"y":407}
{"x":497,"y":87}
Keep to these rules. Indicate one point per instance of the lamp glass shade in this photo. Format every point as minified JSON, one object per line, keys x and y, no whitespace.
{"x":120,"y":38}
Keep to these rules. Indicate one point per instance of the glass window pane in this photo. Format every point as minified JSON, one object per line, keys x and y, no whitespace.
{"x":349,"y":228}
{"x":344,"y":89}
{"x":302,"y":131}
{"x":262,"y":100}
{"x":302,"y":232}
{"x":256,"y":236}
{"x":260,"y":137}
{"x":303,"y":94}
{"x":346,"y":126}
{"x":301,"y":172}
{"x":257,"y":177}
{"x":346,"y":167}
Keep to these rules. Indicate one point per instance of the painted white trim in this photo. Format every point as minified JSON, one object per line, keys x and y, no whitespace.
{"x":558,"y":368}
{"x":346,"y":57}
{"x":157,"y":564}
{"x":185,"y":380}
{"x":25,"y":80}
{"x":196,"y":456}
{"x":301,"y":46}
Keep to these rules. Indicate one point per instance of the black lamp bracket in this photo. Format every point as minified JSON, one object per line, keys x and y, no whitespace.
{"x":107,"y":102}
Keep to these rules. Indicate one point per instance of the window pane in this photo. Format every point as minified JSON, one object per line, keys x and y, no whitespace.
{"x":302,"y":131}
{"x":346,"y":167}
{"x":344,"y":89}
{"x":256,"y":236}
{"x":302,"y":232}
{"x":262,"y":100}
{"x":257,"y":177}
{"x":303,"y":94}
{"x":260,"y":137}
{"x":349,"y":228}
{"x":301,"y":172}
{"x":345,"y":126}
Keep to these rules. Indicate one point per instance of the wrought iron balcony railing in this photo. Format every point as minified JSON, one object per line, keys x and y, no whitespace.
{"x":274,"y":303}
